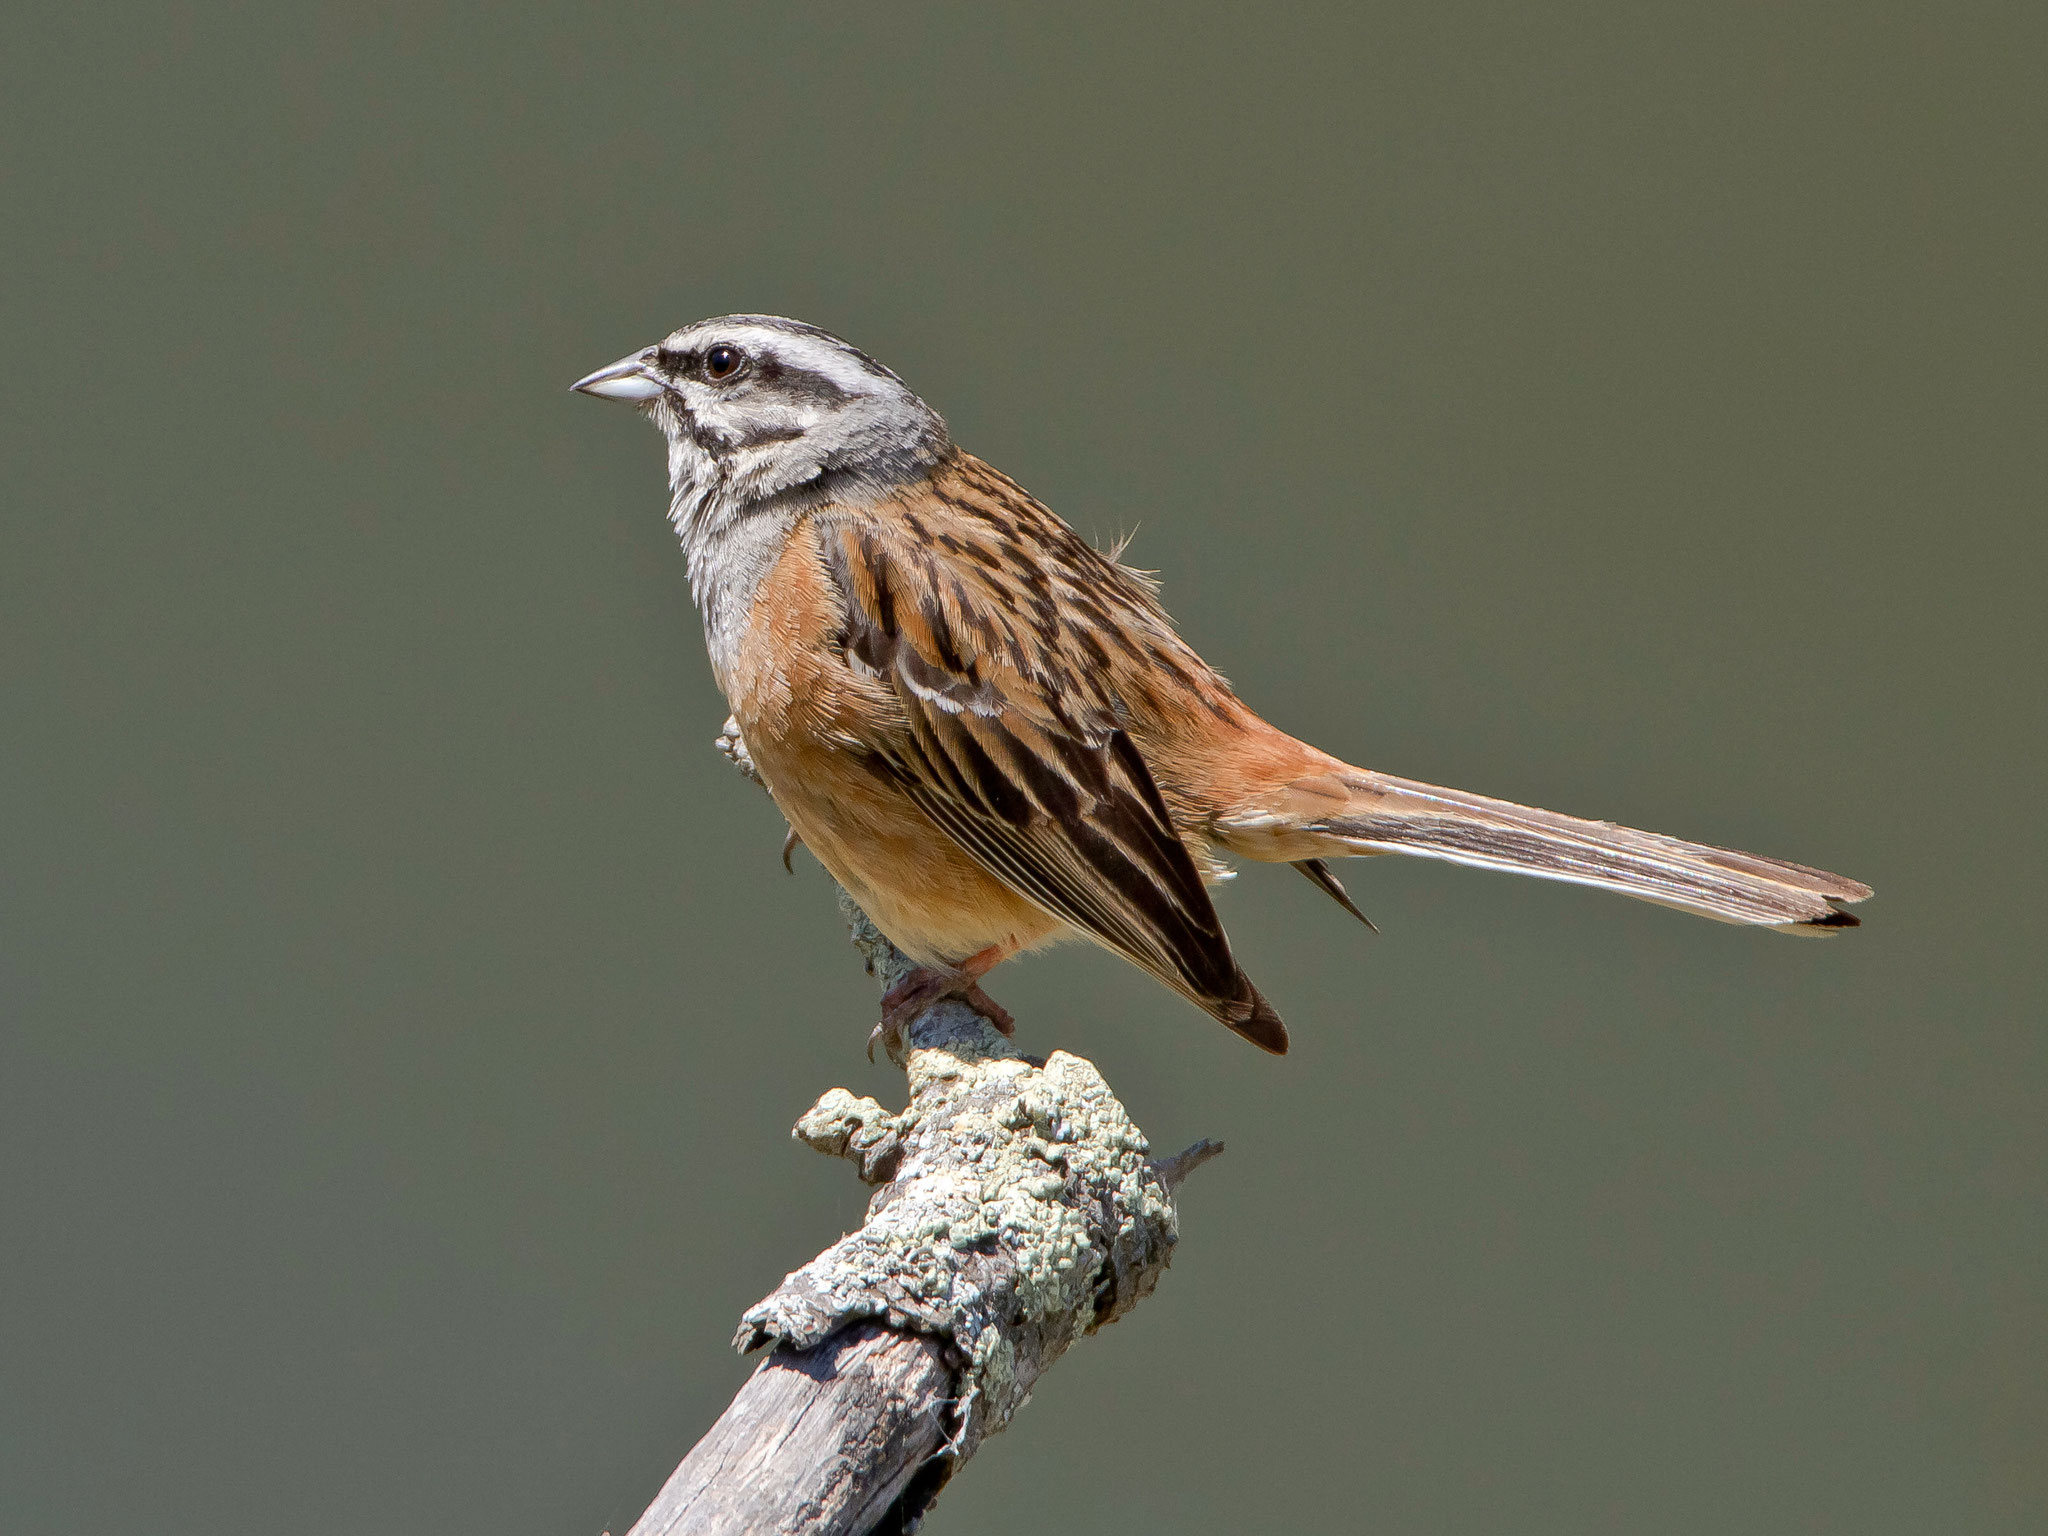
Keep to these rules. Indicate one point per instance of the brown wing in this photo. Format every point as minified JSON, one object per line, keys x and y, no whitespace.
{"x":1013,"y":742}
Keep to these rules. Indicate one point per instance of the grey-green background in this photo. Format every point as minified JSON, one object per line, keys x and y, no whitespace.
{"x":1636,"y":410}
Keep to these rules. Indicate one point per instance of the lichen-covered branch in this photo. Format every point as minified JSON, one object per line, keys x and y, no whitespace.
{"x":1017,"y":1210}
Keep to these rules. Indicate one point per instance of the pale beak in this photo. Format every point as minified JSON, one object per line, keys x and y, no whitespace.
{"x":627,"y":379}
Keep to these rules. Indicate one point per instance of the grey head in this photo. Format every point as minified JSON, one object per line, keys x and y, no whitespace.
{"x":759,"y":409}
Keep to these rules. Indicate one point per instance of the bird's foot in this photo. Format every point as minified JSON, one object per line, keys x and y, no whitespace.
{"x":918,"y":991}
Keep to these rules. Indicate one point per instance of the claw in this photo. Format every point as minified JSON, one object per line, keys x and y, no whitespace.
{"x":790,"y":844}
{"x":891,"y":1038}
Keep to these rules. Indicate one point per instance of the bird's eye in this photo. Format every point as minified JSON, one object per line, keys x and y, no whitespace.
{"x":722,"y":362}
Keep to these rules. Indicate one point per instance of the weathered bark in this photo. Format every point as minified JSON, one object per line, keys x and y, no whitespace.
{"x":1017,"y":1211}
{"x":822,"y":1439}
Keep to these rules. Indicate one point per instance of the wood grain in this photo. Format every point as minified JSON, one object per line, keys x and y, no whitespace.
{"x":819,"y":1441}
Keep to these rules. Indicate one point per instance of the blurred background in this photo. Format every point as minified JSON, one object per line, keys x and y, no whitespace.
{"x":1636,"y":411}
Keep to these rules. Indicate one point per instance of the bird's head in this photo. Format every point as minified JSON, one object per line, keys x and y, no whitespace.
{"x":755,"y":405}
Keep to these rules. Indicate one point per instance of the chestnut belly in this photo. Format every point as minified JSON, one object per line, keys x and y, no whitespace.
{"x":933,"y":901}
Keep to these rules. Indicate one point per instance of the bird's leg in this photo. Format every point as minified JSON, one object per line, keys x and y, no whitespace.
{"x":920,"y":988}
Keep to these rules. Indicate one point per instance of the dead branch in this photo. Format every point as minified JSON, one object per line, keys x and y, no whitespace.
{"x":1017,"y":1210}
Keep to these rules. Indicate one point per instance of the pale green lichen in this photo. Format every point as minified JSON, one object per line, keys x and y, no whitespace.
{"x":1020,"y":1212}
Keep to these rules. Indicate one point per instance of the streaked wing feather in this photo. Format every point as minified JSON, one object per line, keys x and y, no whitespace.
{"x":1018,"y":755}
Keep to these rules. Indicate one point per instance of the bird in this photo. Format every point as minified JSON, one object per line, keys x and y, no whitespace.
{"x":989,"y":731}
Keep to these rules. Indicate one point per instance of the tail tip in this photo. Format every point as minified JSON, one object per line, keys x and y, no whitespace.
{"x":1839,"y":917}
{"x":1834,"y":920}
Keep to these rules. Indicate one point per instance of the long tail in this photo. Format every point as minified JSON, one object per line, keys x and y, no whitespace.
{"x":1354,"y":811}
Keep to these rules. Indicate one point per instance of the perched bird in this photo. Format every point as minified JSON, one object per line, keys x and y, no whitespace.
{"x":988,"y":731}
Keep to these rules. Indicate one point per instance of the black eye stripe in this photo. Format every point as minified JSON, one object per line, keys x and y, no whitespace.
{"x":798,"y":383}
{"x":723,"y":362}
